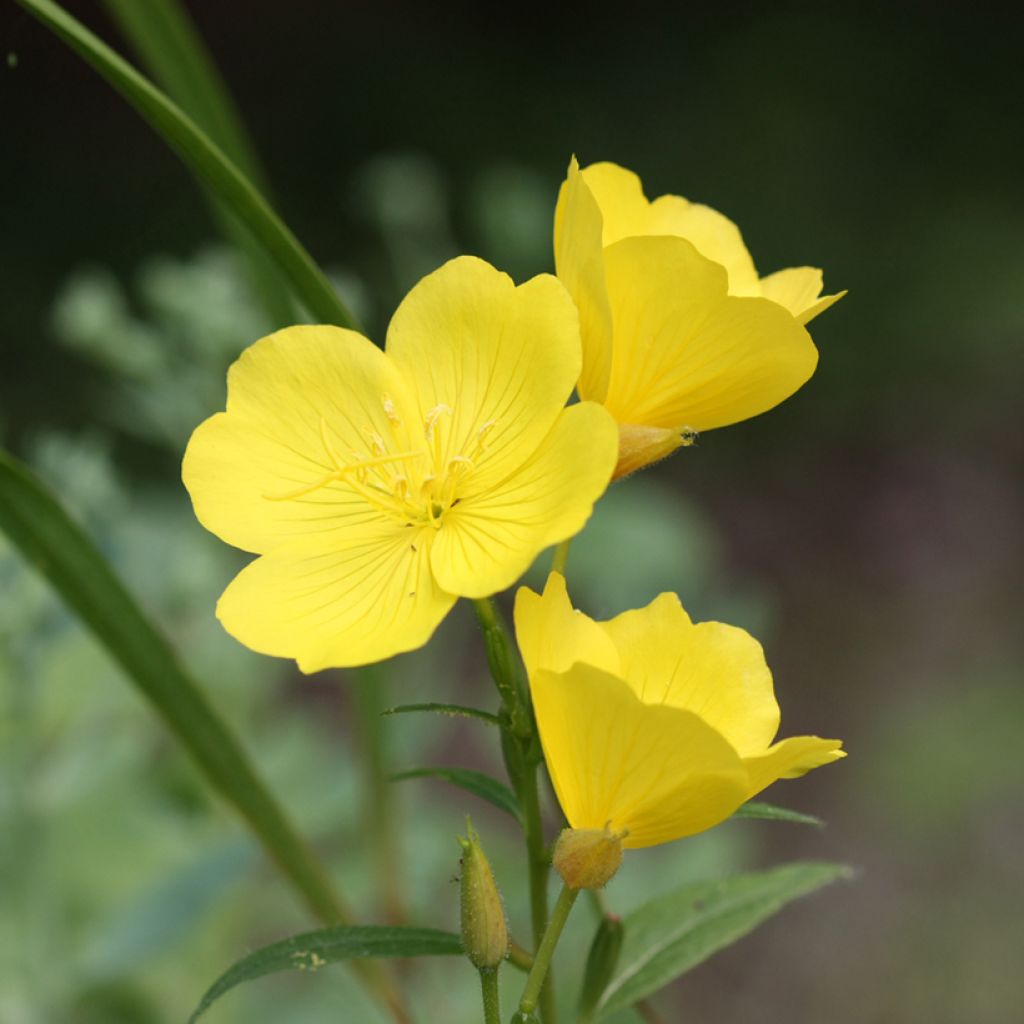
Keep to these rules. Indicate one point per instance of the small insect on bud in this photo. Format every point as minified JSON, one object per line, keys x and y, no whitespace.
{"x":586,"y":858}
{"x":640,"y":446}
{"x":601,"y":963}
{"x":484,"y":931}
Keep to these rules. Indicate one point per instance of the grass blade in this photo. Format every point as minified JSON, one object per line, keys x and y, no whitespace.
{"x":206,"y":160}
{"x":45,"y":535}
{"x":167,"y":43}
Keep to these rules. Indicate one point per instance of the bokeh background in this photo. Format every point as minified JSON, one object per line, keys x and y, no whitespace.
{"x":869,"y":530}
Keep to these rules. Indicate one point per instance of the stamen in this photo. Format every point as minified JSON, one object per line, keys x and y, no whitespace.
{"x":358,"y":469}
{"x":389,"y":410}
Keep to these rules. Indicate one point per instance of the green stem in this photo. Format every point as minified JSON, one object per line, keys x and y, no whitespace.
{"x":204,"y":159}
{"x":505,"y":668}
{"x":538,"y":867}
{"x":542,"y":959}
{"x":561,"y":557}
{"x":519,"y":745}
{"x":379,"y":811}
{"x":489,"y":990}
{"x":519,"y":958}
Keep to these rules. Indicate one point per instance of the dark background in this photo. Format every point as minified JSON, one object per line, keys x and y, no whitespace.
{"x":878,"y":512}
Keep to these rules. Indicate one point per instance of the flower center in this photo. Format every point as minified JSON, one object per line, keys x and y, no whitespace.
{"x":415,"y":486}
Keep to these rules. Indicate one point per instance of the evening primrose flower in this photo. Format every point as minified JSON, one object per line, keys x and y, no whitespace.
{"x":378,"y":487}
{"x":653,"y":727}
{"x":680,"y":334}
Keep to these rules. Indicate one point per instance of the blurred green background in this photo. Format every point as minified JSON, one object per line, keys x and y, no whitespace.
{"x":869,"y":530}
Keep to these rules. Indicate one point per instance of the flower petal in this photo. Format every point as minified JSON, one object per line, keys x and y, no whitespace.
{"x":619,"y":194}
{"x":688,"y":355}
{"x":579,"y":262}
{"x":285,"y":394}
{"x":657,"y":771}
{"x":716,"y":671}
{"x":553,"y":635}
{"x":492,"y":363}
{"x":798,"y":289}
{"x":789,"y":759}
{"x":490,"y":539}
{"x":713,"y":235}
{"x":338,"y":602}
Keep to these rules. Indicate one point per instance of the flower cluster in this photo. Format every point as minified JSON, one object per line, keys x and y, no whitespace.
{"x":379,"y":486}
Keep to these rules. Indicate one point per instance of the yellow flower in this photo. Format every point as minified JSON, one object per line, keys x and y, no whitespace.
{"x":652,"y":725}
{"x":379,"y":487}
{"x":679,"y":333}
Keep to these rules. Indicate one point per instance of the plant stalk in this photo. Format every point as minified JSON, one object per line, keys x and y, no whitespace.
{"x":542,"y":959}
{"x":489,"y":991}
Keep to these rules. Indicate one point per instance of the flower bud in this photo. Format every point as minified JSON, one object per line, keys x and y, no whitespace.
{"x":484,"y":931}
{"x":640,"y":446}
{"x":586,"y":858}
{"x":601,"y":963}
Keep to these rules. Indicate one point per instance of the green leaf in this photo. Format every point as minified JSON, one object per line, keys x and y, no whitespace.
{"x":769,"y":812}
{"x":167,"y":43}
{"x":477,"y":783}
{"x":454,"y":710}
{"x":313,"y":950}
{"x":680,"y":929}
{"x":60,"y":550}
{"x":205,"y":159}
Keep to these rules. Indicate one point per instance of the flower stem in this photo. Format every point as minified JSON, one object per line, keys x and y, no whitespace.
{"x":538,"y":867}
{"x":505,"y":668}
{"x":522,"y":757}
{"x":561,"y":557}
{"x":542,"y":959}
{"x":489,"y":990}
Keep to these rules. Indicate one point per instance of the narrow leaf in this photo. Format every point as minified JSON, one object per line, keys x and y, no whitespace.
{"x":168,"y":45}
{"x":453,"y":710}
{"x":313,"y":950}
{"x":477,"y":783}
{"x":206,"y":160}
{"x":769,"y":812}
{"x":50,"y":540}
{"x":673,"y":933}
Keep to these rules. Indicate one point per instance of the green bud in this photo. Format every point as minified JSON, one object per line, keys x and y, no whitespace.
{"x":586,"y":858}
{"x":484,"y":931}
{"x":601,"y":963}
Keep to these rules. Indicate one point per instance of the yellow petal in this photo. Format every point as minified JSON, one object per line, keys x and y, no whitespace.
{"x":620,"y":198}
{"x":349,"y":600}
{"x":579,"y":262}
{"x":292,"y":398}
{"x":657,"y":771}
{"x":713,"y":235}
{"x":716,"y":671}
{"x":798,"y":289}
{"x":490,"y":363}
{"x":553,"y":635}
{"x":789,"y":759}
{"x":686,"y":354}
{"x":490,"y":539}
